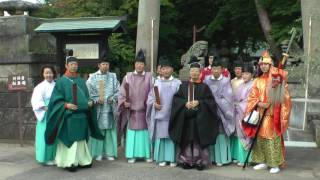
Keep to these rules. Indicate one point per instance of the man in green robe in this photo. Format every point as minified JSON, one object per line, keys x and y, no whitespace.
{"x":71,"y":119}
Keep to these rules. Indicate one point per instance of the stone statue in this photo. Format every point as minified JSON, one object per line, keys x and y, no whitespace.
{"x":198,"y":49}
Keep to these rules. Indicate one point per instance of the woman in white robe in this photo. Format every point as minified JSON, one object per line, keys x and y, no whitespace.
{"x":45,"y":154}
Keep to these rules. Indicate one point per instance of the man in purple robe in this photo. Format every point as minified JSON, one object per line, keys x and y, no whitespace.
{"x":240,"y":142}
{"x":220,"y":87}
{"x":158,"y":114}
{"x":132,"y":111}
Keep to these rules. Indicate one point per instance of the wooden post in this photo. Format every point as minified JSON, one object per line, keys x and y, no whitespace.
{"x":20,"y":119}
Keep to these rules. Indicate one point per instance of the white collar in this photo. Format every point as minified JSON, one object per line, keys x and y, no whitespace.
{"x":99,"y":72}
{"x":135,"y":72}
{"x":47,"y":82}
{"x":170,"y":79}
{"x":212,"y":77}
{"x":237,"y":78}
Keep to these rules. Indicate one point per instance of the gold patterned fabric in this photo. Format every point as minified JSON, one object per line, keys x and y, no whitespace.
{"x":268,"y":151}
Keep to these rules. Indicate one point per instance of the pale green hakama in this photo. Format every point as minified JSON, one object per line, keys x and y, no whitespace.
{"x":44,"y":152}
{"x":77,"y":154}
{"x":138,"y":144}
{"x":107,"y":147}
{"x":221,"y":152}
{"x":238,"y":152}
{"x":164,"y":150}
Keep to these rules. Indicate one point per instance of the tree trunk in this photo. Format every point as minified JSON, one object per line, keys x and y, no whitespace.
{"x":148,"y":10}
{"x":266,"y":28}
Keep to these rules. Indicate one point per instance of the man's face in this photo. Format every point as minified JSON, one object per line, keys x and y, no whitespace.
{"x":166,"y":71}
{"x":139,"y":67}
{"x":72,"y":66}
{"x":246,"y":76}
{"x":194,"y":73}
{"x":216,"y":71}
{"x":265,"y":67}
{"x":238,"y":72}
{"x":104,"y":67}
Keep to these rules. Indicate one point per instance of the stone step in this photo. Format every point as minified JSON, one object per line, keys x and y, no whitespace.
{"x":299,"y":138}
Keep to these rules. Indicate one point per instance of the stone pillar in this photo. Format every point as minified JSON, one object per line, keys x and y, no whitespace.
{"x":310,"y":8}
{"x":148,"y":10}
{"x":22,"y":51}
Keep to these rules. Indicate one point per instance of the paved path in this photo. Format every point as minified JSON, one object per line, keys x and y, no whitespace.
{"x":17,"y":163}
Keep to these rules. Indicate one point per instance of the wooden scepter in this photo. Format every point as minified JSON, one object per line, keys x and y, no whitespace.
{"x":75,"y":94}
{"x":157,"y":94}
{"x":126,"y":88}
{"x":101,"y":90}
{"x":191,"y":92}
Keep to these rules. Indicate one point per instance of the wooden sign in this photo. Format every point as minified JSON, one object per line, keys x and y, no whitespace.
{"x":17,"y":82}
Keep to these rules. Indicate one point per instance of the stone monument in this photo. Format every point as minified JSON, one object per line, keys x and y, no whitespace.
{"x":198,"y":49}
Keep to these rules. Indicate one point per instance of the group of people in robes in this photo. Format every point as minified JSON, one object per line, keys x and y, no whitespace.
{"x":192,"y":124}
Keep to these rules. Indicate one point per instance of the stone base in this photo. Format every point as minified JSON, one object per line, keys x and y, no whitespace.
{"x":315,"y":124}
{"x":9,"y":123}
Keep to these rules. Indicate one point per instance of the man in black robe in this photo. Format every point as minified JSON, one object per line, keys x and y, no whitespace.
{"x":194,"y":122}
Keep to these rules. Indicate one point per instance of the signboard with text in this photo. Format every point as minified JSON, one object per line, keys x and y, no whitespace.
{"x":17,"y":82}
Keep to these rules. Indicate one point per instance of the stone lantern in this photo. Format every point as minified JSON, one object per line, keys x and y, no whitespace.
{"x":16,"y":7}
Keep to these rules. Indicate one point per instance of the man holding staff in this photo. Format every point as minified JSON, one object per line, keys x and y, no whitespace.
{"x":158,"y":114}
{"x":132,"y":107}
{"x":269,"y":93}
{"x":103,"y":88}
{"x":70,"y":117}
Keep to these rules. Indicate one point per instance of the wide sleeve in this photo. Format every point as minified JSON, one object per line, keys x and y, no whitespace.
{"x":150,"y":113}
{"x":56,"y":112}
{"x":253,"y":98}
{"x":37,"y":102}
{"x":93,"y":91}
{"x":285,"y":110}
{"x":116,"y":88}
{"x":208,"y":119}
{"x":122,"y":112}
{"x":177,"y":116}
{"x":252,"y":102}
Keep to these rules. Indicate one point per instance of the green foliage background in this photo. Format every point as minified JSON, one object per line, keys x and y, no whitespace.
{"x":235,"y":21}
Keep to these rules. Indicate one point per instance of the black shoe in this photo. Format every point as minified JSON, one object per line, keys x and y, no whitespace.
{"x":72,"y":168}
{"x":85,"y":166}
{"x":185,"y":166}
{"x":200,"y":167}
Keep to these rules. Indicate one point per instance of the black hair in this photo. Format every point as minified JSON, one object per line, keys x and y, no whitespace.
{"x":49,"y":67}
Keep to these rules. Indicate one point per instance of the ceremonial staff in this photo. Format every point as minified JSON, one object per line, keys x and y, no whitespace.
{"x":308,"y":71}
{"x":152,"y":34}
{"x":155,"y":88}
